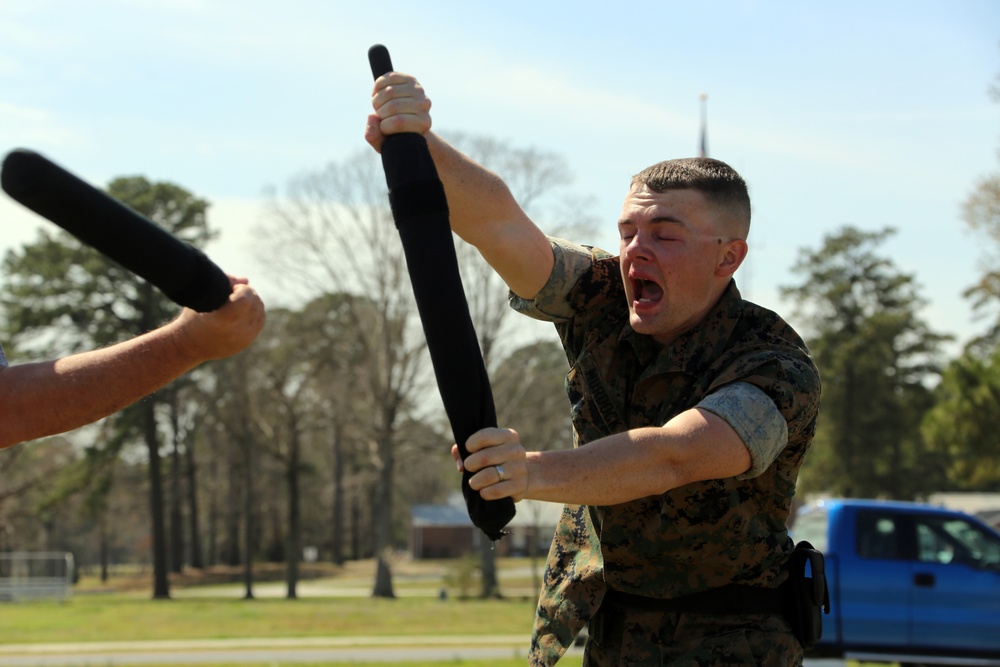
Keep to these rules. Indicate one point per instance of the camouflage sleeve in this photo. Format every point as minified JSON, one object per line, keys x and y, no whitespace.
{"x":755,"y":418}
{"x":551,"y":304}
{"x":792,"y":382}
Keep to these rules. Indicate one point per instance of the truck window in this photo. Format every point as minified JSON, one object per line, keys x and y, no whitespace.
{"x":877,"y":536}
{"x":954,"y":540}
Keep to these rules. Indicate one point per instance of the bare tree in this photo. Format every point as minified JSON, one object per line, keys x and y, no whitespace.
{"x":981,"y":211}
{"x":309,"y":360}
{"x":192,"y":407}
{"x":25,"y":472}
{"x":332,"y":232}
{"x":234,"y":413}
{"x":281,"y":419}
{"x":180,"y":416}
{"x":341,"y":415}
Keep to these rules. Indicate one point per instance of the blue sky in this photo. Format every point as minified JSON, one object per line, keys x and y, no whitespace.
{"x":863,"y":113}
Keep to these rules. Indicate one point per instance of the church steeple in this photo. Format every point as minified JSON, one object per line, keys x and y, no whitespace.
{"x":703,"y":144}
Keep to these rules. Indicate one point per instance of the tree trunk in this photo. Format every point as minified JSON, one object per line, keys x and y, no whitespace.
{"x":383,"y":573}
{"x":488,"y":560}
{"x":382,"y":508}
{"x":194,"y":538}
{"x":161,"y":581}
{"x":355,"y":529}
{"x":234,"y":511}
{"x":293,"y":549}
{"x":104,"y":547}
{"x":248,"y":523}
{"x":337,"y":522}
{"x":176,"y":514}
{"x":213,"y":508}
{"x":383,"y":577}
{"x":383,"y":526}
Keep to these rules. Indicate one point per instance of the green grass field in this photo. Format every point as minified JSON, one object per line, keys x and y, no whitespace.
{"x":569,"y":662}
{"x":125,"y":618}
{"x":213,"y":609}
{"x":122,"y":618}
{"x":514,"y":662}
{"x":121,"y":611}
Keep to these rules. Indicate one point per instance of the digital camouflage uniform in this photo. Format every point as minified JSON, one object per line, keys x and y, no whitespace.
{"x":694,"y":538}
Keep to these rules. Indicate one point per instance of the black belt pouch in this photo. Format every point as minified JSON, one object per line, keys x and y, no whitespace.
{"x":807,"y":595}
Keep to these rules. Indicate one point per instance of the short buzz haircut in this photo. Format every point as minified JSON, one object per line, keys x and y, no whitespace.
{"x":715,"y":179}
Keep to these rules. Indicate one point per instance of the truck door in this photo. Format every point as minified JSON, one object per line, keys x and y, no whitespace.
{"x":876,"y":588}
{"x":956,"y":584}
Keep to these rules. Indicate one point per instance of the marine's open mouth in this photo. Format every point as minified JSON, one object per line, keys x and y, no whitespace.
{"x":646,"y":291}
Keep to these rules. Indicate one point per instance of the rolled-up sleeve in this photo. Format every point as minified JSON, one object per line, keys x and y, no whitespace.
{"x":755,"y":418}
{"x":571,"y":261}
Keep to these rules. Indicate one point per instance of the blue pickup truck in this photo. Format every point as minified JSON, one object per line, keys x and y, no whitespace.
{"x":910,"y":583}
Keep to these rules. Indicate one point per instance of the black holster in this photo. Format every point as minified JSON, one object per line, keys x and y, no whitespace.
{"x":807,"y":598}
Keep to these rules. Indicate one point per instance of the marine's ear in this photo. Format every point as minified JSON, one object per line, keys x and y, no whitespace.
{"x":731,"y":256}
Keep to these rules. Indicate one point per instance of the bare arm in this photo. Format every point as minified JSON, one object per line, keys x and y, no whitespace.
{"x":45,"y":398}
{"x":694,"y":446}
{"x":482,"y":209}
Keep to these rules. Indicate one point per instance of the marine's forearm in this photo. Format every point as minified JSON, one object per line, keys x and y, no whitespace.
{"x":46,"y":398}
{"x":693,"y":446}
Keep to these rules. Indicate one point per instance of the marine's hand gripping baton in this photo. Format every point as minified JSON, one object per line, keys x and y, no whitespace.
{"x":420,"y":210}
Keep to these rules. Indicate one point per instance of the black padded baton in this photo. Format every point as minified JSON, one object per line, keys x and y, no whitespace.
{"x":420,"y":210}
{"x":181,"y":271}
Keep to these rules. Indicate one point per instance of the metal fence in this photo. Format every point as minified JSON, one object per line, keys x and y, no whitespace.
{"x":35,"y":575}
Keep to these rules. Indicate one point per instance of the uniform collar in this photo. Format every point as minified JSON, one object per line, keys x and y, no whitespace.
{"x":694,"y":350}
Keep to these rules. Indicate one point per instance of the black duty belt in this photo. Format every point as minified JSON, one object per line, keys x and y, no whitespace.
{"x":730,"y":599}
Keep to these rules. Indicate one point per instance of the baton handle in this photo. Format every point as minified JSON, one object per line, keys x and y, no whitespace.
{"x":378,"y":58}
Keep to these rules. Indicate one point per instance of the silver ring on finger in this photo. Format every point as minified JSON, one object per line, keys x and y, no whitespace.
{"x":500,"y":472}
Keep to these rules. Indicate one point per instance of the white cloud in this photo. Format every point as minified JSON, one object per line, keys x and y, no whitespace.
{"x":32,"y":127}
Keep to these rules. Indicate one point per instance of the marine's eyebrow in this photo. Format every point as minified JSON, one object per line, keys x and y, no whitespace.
{"x":660,"y":219}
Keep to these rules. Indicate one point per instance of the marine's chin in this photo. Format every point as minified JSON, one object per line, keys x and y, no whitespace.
{"x":640,"y":324}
